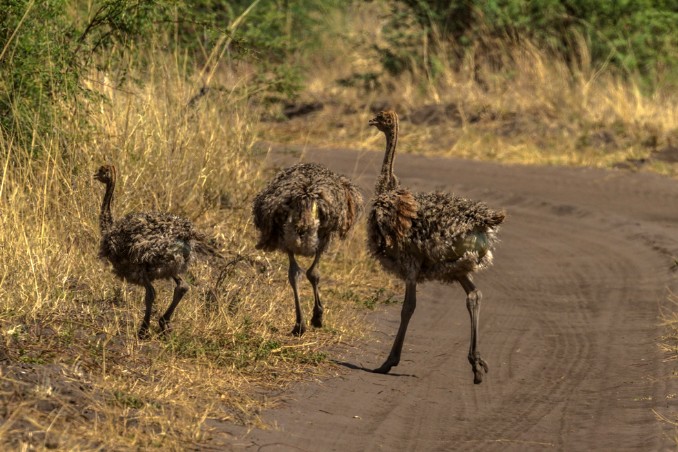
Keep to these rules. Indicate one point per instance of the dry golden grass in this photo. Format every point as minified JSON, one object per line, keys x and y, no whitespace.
{"x":536,"y":109}
{"x":72,"y":373}
{"x":669,"y":346}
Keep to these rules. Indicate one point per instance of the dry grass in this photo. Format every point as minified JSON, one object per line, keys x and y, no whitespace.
{"x":534,"y":110}
{"x":669,"y":346}
{"x":72,"y":373}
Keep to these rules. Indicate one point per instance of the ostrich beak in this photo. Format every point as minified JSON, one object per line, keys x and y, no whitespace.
{"x":372,"y":122}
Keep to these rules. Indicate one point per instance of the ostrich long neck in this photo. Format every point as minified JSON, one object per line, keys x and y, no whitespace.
{"x":106,"y":217}
{"x":386,"y":178}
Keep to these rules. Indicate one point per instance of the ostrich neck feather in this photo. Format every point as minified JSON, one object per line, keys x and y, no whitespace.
{"x":386,"y":179}
{"x":106,"y":217}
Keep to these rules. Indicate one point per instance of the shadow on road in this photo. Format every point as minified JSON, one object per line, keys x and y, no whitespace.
{"x":357,"y":367}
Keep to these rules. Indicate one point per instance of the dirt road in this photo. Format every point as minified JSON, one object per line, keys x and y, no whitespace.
{"x":569,"y":324}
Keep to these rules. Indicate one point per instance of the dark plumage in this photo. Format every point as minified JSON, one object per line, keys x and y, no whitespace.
{"x":146,"y":246}
{"x":300,"y":212}
{"x":428,"y":236}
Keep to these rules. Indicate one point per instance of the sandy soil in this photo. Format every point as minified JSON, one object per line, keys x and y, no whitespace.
{"x":569,"y":325}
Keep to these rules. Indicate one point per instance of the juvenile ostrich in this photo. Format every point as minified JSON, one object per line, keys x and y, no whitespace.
{"x":146,"y":246}
{"x":428,"y":236}
{"x":299,"y":212}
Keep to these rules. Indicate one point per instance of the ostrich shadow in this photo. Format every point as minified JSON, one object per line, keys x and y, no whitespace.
{"x":366,"y":369}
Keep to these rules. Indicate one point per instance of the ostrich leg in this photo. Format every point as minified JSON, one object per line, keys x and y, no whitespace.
{"x":473,"y":297}
{"x":313,"y":276}
{"x":293,"y":274}
{"x":150,"y":296}
{"x":179,"y":292}
{"x":409,"y":306}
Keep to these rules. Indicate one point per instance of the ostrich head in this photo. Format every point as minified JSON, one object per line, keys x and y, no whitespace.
{"x":105,"y":174}
{"x":385,"y":121}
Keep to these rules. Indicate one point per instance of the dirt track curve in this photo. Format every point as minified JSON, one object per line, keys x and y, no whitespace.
{"x":569,"y":325}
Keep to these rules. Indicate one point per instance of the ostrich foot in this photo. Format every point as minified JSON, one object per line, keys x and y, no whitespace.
{"x":165,"y":327}
{"x":386,"y":367}
{"x":479,"y":367}
{"x":317,"y":320}
{"x":298,"y":330}
{"x":143,"y":333}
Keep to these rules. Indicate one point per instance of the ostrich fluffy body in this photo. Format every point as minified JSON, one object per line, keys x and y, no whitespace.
{"x":146,"y":246}
{"x":428,"y":236}
{"x":301,"y":210}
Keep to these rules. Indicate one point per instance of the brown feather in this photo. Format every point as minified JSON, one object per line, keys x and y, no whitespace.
{"x":427,"y":236}
{"x":284,"y":210}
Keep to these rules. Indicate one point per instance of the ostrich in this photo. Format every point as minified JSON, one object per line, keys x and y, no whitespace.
{"x":146,"y":246}
{"x":428,"y":236}
{"x":299,"y":212}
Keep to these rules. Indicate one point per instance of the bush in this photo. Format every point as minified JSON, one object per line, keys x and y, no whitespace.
{"x":36,"y":62}
{"x":45,"y":47}
{"x":636,"y":37}
{"x":44,"y":51}
{"x":277,"y":35}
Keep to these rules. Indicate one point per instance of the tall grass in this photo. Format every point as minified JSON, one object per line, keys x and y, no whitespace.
{"x":73,"y":374}
{"x":516,"y":104}
{"x":668,"y":344}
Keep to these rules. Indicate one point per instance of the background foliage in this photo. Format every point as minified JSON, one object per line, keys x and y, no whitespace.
{"x":48,"y":45}
{"x":636,"y":37}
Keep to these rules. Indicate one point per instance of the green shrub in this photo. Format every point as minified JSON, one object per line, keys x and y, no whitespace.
{"x":36,"y":62}
{"x":276,"y":35}
{"x":46,"y":47}
{"x":636,"y":37}
{"x":45,"y":50}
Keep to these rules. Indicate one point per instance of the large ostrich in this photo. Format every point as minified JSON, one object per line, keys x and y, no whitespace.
{"x":146,"y":246}
{"x":428,"y":236}
{"x":299,"y":212}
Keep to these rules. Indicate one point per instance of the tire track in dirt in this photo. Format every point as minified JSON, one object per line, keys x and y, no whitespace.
{"x":569,"y":321}
{"x":564,"y":354}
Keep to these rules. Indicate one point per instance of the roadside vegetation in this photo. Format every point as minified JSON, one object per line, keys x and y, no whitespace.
{"x":180,"y":97}
{"x":499,"y":87}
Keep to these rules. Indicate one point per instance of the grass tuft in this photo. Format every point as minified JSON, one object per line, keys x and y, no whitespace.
{"x":72,"y":373}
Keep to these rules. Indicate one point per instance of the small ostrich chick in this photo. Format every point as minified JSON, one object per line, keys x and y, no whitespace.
{"x":301,"y":210}
{"x":146,"y":246}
